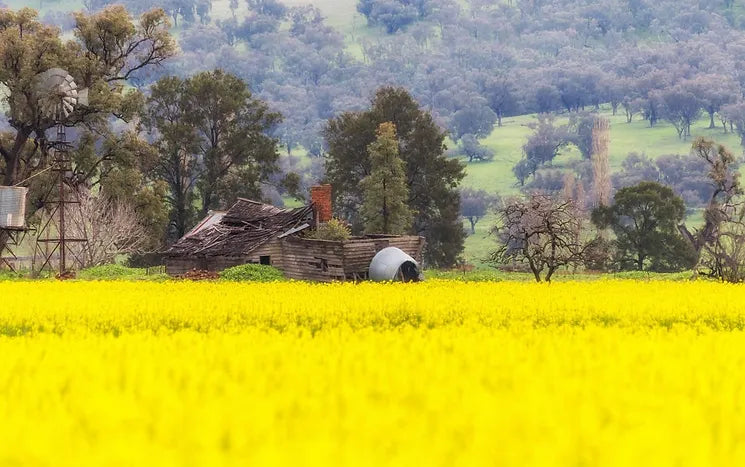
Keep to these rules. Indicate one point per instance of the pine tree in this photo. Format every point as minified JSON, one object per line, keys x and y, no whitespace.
{"x":432,"y":177}
{"x":385,"y":193}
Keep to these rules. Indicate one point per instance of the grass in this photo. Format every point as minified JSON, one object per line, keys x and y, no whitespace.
{"x":494,"y":275}
{"x":506,"y":141}
{"x":496,"y":176}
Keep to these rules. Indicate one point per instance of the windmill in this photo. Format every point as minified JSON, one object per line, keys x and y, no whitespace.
{"x":57,"y":96}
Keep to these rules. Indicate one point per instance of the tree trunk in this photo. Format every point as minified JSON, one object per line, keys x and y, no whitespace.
{"x":712,"y":125}
{"x":13,"y":156}
{"x":549,"y":274}
{"x":473,"y":225}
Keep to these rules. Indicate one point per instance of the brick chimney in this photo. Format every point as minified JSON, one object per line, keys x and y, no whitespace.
{"x":320,"y":196}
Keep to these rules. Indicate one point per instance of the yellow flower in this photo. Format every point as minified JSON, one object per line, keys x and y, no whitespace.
{"x":436,"y":373}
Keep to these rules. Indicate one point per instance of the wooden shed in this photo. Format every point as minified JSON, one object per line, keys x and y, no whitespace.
{"x":254,"y":232}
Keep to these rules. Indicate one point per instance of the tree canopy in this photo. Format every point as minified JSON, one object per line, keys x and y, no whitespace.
{"x":385,"y":194}
{"x":431,"y":176}
{"x":644,"y":219}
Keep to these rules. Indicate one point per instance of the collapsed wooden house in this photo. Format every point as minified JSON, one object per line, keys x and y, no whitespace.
{"x":254,"y":232}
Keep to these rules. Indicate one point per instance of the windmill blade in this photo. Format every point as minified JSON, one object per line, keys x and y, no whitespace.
{"x":83,"y":97}
{"x":57,"y":93}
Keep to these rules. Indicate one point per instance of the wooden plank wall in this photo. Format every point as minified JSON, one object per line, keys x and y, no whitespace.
{"x":177,"y":265}
{"x":316,"y":260}
{"x":359,"y":253}
{"x":307,"y":259}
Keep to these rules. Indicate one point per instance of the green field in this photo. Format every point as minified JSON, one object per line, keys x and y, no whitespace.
{"x":496,"y":176}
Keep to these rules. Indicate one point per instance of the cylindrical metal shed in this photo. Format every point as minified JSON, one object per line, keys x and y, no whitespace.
{"x":12,"y":207}
{"x":391,"y":264}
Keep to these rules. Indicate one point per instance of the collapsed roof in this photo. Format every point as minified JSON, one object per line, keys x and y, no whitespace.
{"x":244,"y":227}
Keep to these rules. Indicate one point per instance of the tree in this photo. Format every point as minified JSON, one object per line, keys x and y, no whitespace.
{"x":431,"y":176}
{"x":601,"y":185}
{"x":474,"y":205}
{"x":500,"y":92}
{"x":385,"y":206}
{"x":474,"y":151}
{"x":233,"y":146}
{"x":177,"y":146}
{"x":524,"y":169}
{"x":267,"y":7}
{"x":547,"y":140}
{"x":119,"y":167}
{"x":716,"y":243}
{"x":393,"y":14}
{"x":542,"y":231}
{"x":475,"y":118}
{"x":734,"y":114}
{"x":681,"y":107}
{"x":580,"y":132}
{"x":714,"y":91}
{"x":644,"y":219}
{"x":108,"y":49}
{"x":112,"y":227}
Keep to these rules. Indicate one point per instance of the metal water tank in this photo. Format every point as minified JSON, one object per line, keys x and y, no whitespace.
{"x":391,"y":264}
{"x":12,"y":206}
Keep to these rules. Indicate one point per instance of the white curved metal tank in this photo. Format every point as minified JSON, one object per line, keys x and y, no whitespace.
{"x":12,"y":206}
{"x":390,"y":264}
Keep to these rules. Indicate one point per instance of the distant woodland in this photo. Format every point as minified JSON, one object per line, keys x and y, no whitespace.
{"x":468,"y":65}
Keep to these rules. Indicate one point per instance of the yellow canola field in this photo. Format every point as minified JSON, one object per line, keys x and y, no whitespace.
{"x":439,"y":373}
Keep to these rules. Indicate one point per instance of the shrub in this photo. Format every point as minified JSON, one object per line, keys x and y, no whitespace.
{"x":112,"y":272}
{"x":6,"y":275}
{"x":252,"y":272}
{"x":334,"y":229}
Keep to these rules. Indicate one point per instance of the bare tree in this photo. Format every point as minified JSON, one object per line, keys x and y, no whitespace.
{"x":601,"y":185}
{"x":111,"y":226}
{"x":544,"y":232}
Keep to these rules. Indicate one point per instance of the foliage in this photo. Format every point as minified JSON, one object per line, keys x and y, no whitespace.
{"x":393,"y":14}
{"x":177,"y":146}
{"x":213,"y":143}
{"x":475,"y":204}
{"x":542,"y":147}
{"x":252,"y":273}
{"x":6,"y":275}
{"x":218,"y":366}
{"x":109,"y":272}
{"x":335,"y":230}
{"x":685,"y":174}
{"x":109,"y":48}
{"x":645,"y":220}
{"x":384,"y":191}
{"x":718,"y":244}
{"x":432,"y":178}
{"x":473,"y":150}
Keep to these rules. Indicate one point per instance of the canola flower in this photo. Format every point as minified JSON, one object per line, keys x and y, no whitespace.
{"x":438,"y":373}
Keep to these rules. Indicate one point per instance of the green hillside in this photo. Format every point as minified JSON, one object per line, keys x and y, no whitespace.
{"x":496,"y":176}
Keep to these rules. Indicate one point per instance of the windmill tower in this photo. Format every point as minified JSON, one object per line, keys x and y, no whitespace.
{"x":57,"y":96}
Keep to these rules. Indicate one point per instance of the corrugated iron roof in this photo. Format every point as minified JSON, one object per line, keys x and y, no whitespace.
{"x":214,"y":217}
{"x":243,"y":228}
